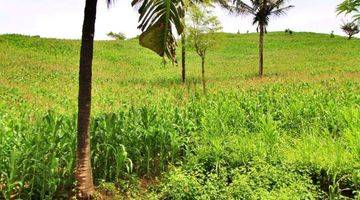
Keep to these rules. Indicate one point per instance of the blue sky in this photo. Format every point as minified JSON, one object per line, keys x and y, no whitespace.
{"x":63,"y":18}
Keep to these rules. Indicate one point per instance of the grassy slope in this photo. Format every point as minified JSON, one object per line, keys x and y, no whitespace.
{"x":44,"y":71}
{"x":290,"y":135}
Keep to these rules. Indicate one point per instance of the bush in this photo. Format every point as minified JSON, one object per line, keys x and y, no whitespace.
{"x":117,"y":36}
{"x":288,"y":31}
{"x":256,"y":181}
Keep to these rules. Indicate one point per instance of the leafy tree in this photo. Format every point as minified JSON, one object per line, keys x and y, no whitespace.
{"x":202,"y":25}
{"x":157,"y":18}
{"x":350,"y":6}
{"x":351,"y":29}
{"x":187,"y":5}
{"x":261,"y":10}
{"x":117,"y":36}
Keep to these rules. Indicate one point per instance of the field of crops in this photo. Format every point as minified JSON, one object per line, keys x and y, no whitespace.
{"x":295,"y":134}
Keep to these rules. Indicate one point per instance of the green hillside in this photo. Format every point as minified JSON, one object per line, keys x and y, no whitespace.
{"x":294,"y":134}
{"x":44,"y":71}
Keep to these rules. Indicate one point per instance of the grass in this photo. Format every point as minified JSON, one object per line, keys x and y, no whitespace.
{"x":294,"y":134}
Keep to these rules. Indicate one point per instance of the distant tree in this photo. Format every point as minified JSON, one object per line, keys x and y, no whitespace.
{"x":289,"y":31}
{"x":350,"y":6}
{"x":202,"y":25}
{"x":261,"y":10}
{"x":351,"y":29}
{"x":117,"y":36}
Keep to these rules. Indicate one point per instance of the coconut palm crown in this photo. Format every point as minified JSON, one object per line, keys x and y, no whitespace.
{"x":261,"y":10}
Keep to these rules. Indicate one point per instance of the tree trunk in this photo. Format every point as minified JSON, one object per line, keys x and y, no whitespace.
{"x":203,"y":74}
{"x":183,"y":57}
{"x":84,"y":178}
{"x":261,"y":50}
{"x":350,"y":36}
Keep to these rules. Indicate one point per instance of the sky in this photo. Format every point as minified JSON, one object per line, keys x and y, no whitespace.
{"x":63,"y":18}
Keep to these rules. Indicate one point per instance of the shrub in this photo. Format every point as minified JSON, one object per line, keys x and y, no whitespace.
{"x":117,"y":36}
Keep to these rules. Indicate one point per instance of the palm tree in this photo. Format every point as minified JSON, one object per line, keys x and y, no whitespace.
{"x":84,"y":178}
{"x":262,"y":10}
{"x":158,"y":17}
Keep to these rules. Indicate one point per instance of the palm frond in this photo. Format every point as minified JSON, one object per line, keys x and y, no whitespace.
{"x":110,"y":2}
{"x":241,"y":8}
{"x":281,"y":11}
{"x":156,"y":21}
{"x":262,"y":10}
{"x":348,"y":6}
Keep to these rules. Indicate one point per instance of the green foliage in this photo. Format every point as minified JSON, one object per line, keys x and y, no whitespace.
{"x":254,"y":181}
{"x":292,"y":135}
{"x":284,"y":129}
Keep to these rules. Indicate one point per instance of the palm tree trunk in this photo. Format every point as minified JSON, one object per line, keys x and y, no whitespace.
{"x":203,"y":74}
{"x":183,"y":57}
{"x":261,"y":50}
{"x":84,"y":178}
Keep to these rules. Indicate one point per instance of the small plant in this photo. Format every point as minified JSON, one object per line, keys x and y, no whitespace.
{"x":335,"y":191}
{"x":351,"y":29}
{"x":108,"y":189}
{"x":117,"y":36}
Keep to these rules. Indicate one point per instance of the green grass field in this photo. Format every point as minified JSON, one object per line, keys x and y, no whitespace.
{"x":295,"y":134}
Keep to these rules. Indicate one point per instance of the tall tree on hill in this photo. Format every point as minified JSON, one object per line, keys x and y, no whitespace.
{"x":157,"y":18}
{"x":261,"y":10}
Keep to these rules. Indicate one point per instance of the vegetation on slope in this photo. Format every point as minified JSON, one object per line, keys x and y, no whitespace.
{"x":43,"y":72}
{"x":294,"y":134}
